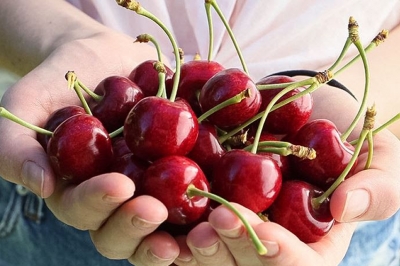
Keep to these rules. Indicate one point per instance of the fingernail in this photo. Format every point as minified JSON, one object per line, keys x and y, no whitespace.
{"x":357,"y":203}
{"x":156,"y":259}
{"x":208,"y":251}
{"x":232,"y":233}
{"x":33,"y":177}
{"x":272,"y":248}
{"x":143,"y":224}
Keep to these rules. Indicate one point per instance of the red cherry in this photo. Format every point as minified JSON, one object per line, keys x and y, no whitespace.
{"x":223,"y":86}
{"x":80,"y":148}
{"x":132,"y":167}
{"x":290,"y":117}
{"x":146,"y":77}
{"x":168,"y":178}
{"x":119,"y":95}
{"x":251,"y":180}
{"x":294,"y":210}
{"x":55,"y":119}
{"x":332,"y":154}
{"x":194,"y":74}
{"x":207,"y":151}
{"x":157,"y":127}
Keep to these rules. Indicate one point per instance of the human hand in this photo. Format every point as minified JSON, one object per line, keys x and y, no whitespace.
{"x":91,"y":205}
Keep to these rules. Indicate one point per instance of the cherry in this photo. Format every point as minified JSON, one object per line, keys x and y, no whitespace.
{"x":207,"y":151}
{"x":55,"y":119}
{"x":295,"y":210}
{"x":80,"y":148}
{"x":117,"y":97}
{"x":146,"y":77}
{"x":132,"y":167}
{"x":157,"y":127}
{"x":333,"y":154}
{"x":168,"y":178}
{"x":194,"y":74}
{"x":282,"y":161}
{"x":224,"y":85}
{"x":119,"y":147}
{"x":249,"y":179}
{"x":290,"y":117}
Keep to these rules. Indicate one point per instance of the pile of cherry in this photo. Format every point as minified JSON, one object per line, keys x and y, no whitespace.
{"x":167,"y":146}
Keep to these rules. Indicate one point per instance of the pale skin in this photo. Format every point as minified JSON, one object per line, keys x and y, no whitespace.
{"x":43,"y":55}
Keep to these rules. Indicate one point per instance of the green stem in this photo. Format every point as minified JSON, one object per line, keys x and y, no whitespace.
{"x":356,"y":119}
{"x":268,"y":110}
{"x":135,"y":6}
{"x":342,"y":54}
{"x":92,"y":94}
{"x":370,"y":140}
{"x":193,"y":191}
{"x":6,"y":114}
{"x":149,"y":38}
{"x":231,"y":133}
{"x":116,"y":132}
{"x":78,"y":91}
{"x":233,"y":100}
{"x":228,"y":28}
{"x":379,"y":129}
{"x":207,"y":6}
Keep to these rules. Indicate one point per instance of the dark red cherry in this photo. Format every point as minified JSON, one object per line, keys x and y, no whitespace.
{"x":251,"y":180}
{"x":294,"y":210}
{"x":332,"y":154}
{"x":223,"y":86}
{"x":119,"y":95}
{"x":132,"y":167}
{"x":80,"y":148}
{"x":290,"y":117}
{"x":207,"y":151}
{"x":157,"y":127}
{"x":146,"y":77}
{"x":168,"y":178}
{"x":55,"y":119}
{"x":194,"y":74}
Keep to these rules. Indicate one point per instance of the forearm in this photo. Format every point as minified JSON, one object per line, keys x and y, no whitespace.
{"x":31,"y":30}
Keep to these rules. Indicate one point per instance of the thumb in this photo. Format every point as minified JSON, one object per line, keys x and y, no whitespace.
{"x":23,"y":160}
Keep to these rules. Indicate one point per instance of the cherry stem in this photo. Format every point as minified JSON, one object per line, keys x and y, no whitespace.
{"x":207,"y":6}
{"x":145,"y":38}
{"x":268,"y":110}
{"x":72,"y":79}
{"x":346,"y":47}
{"x":116,"y":132}
{"x":284,"y":148}
{"x":136,"y":7}
{"x":233,"y":100}
{"x":353,"y":35}
{"x":214,"y":4}
{"x":6,"y":114}
{"x":379,"y":129}
{"x":193,"y":191}
{"x":367,"y":127}
{"x":74,"y":84}
{"x":370,"y":139}
{"x":379,"y":38}
{"x":160,"y":68}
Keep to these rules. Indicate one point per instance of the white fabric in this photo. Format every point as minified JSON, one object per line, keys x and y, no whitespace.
{"x":273,"y":35}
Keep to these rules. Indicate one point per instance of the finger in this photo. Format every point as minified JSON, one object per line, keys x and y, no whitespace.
{"x":122,"y":233}
{"x":206,"y":248}
{"x":284,"y":248}
{"x":89,"y":204}
{"x":157,"y":249}
{"x":232,"y":232}
{"x":371,"y":194}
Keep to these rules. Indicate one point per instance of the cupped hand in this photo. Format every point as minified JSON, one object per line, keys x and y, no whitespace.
{"x":44,"y":90}
{"x":101,"y":203}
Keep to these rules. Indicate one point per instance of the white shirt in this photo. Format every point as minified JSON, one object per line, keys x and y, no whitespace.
{"x":273,"y":35}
